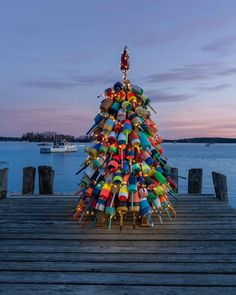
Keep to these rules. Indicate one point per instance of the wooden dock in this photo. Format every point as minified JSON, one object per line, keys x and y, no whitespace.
{"x":42,"y":251}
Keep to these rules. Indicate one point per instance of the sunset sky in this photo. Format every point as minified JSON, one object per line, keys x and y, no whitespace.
{"x":57,"y":56}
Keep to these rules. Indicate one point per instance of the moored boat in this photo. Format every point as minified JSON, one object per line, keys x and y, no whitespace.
{"x":60,"y":147}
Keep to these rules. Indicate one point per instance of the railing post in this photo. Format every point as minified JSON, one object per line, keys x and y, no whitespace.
{"x":220,"y":185}
{"x":3,"y":182}
{"x":195,"y":181}
{"x":46,"y":178}
{"x":28,"y":180}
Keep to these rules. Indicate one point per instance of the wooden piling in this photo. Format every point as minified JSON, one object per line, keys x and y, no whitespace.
{"x":195,"y":181}
{"x":220,"y":185}
{"x":46,"y":178}
{"x":28,"y":180}
{"x":3,"y":182}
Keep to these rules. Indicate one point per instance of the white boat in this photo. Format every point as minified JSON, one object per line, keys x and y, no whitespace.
{"x":60,"y":147}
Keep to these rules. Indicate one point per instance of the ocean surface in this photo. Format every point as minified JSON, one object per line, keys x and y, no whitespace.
{"x":217,"y":157}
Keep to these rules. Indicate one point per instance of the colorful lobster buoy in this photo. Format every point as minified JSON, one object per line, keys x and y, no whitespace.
{"x":132,"y":188}
{"x":122,"y":146}
{"x":120,"y":95}
{"x":156,"y":203}
{"x":130,"y":156}
{"x":121,"y":116}
{"x":97,"y":120}
{"x":145,"y":209}
{"x":134,"y":139}
{"x":113,"y":164}
{"x":123,"y":193}
{"x":127,"y":128}
{"x":110,"y":210}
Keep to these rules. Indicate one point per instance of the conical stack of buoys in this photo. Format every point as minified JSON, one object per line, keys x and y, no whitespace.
{"x":126,"y":169}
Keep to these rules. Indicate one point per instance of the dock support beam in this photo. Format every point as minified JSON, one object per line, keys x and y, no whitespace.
{"x":28,"y":180}
{"x":195,"y":181}
{"x":220,"y":185}
{"x":3,"y":182}
{"x":46,"y":178}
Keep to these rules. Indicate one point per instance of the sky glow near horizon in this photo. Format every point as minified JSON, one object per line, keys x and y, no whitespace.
{"x":56,"y":56}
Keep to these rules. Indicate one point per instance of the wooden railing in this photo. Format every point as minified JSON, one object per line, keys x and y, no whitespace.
{"x":46,"y":181}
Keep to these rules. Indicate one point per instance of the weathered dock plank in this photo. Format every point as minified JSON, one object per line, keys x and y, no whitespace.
{"x":42,"y":251}
{"x":120,"y":267}
{"x":51,"y":289}
{"x":117,"y":257}
{"x":120,"y":237}
{"x":121,"y":278}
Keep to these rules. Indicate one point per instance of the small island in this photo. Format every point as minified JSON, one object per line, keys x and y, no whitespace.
{"x":49,"y":136}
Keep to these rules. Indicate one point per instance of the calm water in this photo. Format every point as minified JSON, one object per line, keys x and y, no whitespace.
{"x":218,"y":157}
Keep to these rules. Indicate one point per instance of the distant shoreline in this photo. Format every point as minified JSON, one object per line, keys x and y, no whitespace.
{"x":210,"y":140}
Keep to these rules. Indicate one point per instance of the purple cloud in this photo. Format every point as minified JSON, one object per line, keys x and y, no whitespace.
{"x":49,"y":83}
{"x":227,"y":72}
{"x":193,"y":72}
{"x":186,"y":124}
{"x":162,"y":97}
{"x":213,"y":88}
{"x":105,"y":78}
{"x":186,"y":72}
{"x":181,"y":31}
{"x":221,"y":46}
{"x":73,"y":80}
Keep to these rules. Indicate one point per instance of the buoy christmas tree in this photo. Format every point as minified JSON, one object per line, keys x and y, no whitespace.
{"x":126,"y":169}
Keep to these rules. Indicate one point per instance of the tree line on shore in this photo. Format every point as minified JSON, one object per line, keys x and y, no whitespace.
{"x":210,"y":140}
{"x":49,"y":136}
